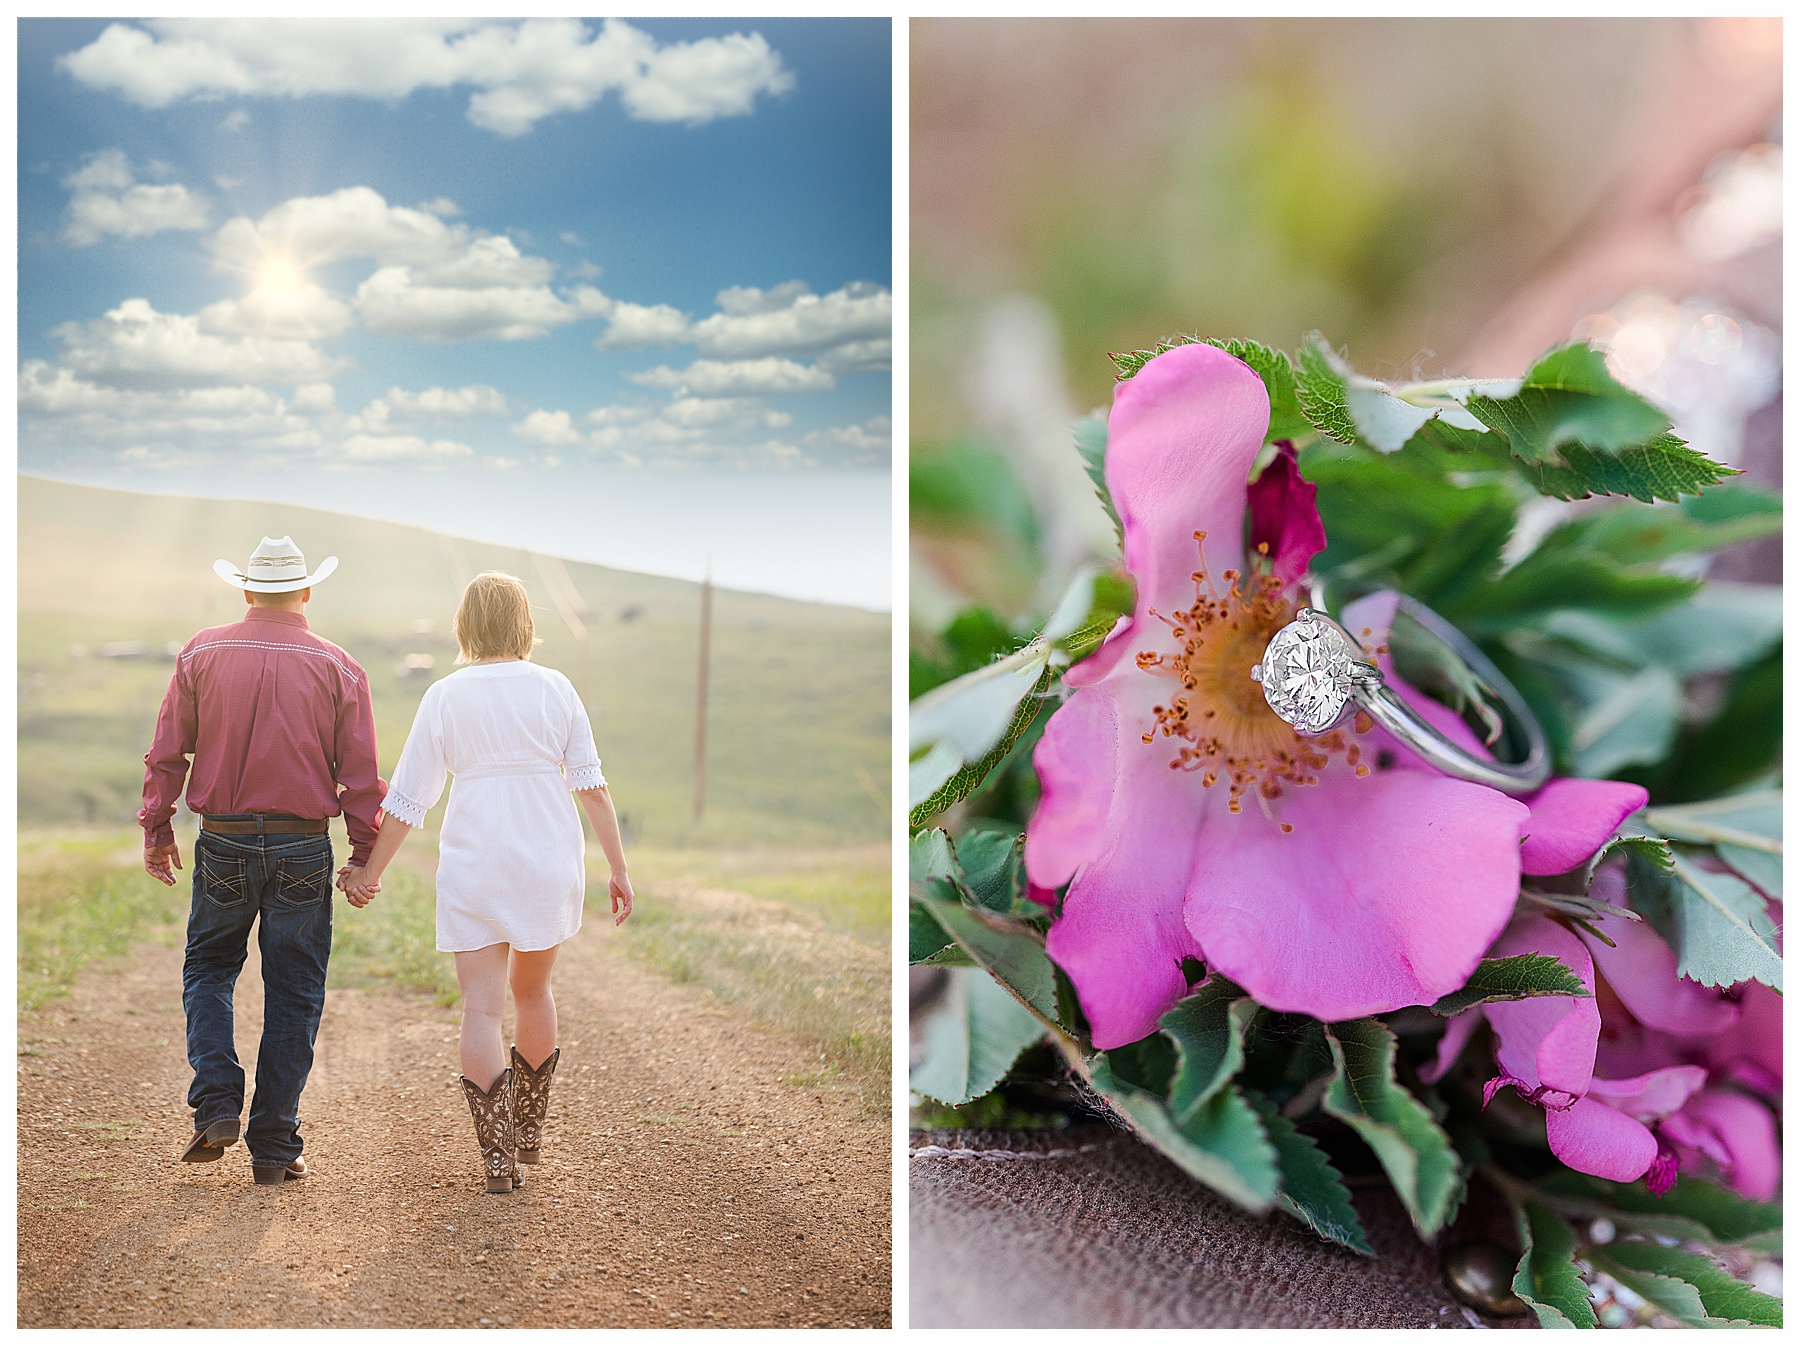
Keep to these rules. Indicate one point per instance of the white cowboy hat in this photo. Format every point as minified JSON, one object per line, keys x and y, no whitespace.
{"x":276,"y":567}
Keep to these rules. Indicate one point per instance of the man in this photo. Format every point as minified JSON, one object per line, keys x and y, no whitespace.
{"x":282,"y":736}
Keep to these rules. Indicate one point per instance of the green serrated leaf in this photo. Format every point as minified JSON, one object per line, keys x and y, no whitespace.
{"x":1548,"y":1279}
{"x":1322,"y":392}
{"x":1664,"y":469}
{"x":1653,"y":851}
{"x":990,"y":865}
{"x":1687,"y":1286}
{"x":968,"y":777}
{"x":1517,"y":978}
{"x":973,"y":1040}
{"x":1312,"y":1191}
{"x":1208,"y":1031}
{"x":1692,"y":1209}
{"x":929,"y":856}
{"x":1569,"y":398}
{"x":924,"y":936}
{"x":1090,"y":443}
{"x":1012,"y":953}
{"x":1222,"y":1144}
{"x":1413,"y":1149}
{"x":1717,"y":924}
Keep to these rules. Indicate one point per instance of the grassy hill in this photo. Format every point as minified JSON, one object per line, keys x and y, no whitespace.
{"x":799,"y":721}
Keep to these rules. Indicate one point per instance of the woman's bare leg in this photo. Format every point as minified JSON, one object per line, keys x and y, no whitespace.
{"x":482,"y":976}
{"x":534,"y":1008}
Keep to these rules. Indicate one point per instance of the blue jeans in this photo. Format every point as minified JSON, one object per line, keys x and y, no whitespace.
{"x":288,"y":880}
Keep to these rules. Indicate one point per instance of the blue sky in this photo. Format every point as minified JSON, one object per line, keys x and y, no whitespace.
{"x":526,"y":262}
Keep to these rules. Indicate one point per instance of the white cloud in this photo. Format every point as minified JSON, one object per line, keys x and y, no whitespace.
{"x":548,"y":427}
{"x":872,"y":441}
{"x":304,"y":314}
{"x":314,"y":397}
{"x":522,"y":71}
{"x":105,"y":198}
{"x":392,"y":305}
{"x":350,"y":222}
{"x":236,"y":120}
{"x":435,"y":281}
{"x":791,"y":320}
{"x":477,"y":399}
{"x":570,"y":237}
{"x":727,"y":378}
{"x":134,"y":346}
{"x":404,"y":449}
{"x":637,"y":325}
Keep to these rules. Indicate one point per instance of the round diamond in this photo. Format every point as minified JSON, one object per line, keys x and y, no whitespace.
{"x":1306,"y":674}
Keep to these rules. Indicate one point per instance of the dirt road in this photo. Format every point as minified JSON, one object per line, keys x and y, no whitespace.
{"x":684,"y":1183}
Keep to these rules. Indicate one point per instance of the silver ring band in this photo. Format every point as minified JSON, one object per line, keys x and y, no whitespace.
{"x":1315,"y":675}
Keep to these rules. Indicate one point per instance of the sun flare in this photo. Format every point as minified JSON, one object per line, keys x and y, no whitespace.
{"x":281,"y":274}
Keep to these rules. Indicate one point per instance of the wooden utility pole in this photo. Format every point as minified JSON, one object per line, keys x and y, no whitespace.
{"x":700,"y":694}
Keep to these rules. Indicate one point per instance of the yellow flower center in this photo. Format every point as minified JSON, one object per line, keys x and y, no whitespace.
{"x":1225,"y":727}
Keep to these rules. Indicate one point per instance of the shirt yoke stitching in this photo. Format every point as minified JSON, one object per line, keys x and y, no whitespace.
{"x":274,"y":645}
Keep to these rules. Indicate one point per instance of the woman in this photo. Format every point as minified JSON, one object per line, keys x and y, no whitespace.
{"x":511,"y":874}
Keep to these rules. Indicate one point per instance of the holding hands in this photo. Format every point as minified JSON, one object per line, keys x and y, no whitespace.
{"x":359,"y":884}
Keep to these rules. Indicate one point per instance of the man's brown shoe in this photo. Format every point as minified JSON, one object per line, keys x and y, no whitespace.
{"x":273,"y":1176}
{"x":210,"y":1143}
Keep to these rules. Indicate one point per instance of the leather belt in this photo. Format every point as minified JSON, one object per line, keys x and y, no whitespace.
{"x":237,"y":827}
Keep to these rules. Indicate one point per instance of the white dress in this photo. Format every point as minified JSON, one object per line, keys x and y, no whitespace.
{"x":511,"y":855}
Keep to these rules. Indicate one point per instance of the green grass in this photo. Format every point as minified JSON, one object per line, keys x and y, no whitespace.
{"x":848,"y":889}
{"x":798,"y":942}
{"x":83,"y":899}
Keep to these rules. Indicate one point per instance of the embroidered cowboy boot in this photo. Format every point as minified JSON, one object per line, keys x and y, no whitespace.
{"x":531,"y":1103}
{"x":492,"y":1112}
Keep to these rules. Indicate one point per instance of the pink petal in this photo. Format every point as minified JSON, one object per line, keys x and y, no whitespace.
{"x":1652,"y":1096}
{"x":1127,"y":831}
{"x":1571,"y":819}
{"x":1386,"y":893}
{"x":1752,"y":1049}
{"x":1547,"y":1041}
{"x":1745,"y":1131}
{"x":1456,"y":1036}
{"x":1180,"y":441}
{"x":1592,"y":1138}
{"x":1077,"y":768}
{"x":1283,"y":515}
{"x":1640,"y":968}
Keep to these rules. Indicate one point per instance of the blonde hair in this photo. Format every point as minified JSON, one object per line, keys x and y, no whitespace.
{"x":494,"y":619}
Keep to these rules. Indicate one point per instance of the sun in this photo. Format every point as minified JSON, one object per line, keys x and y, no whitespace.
{"x":280,"y":273}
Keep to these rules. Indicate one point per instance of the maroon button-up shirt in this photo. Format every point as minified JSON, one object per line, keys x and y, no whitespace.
{"x":276,"y":720}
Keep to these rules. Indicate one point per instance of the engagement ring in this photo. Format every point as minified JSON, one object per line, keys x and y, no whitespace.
{"x":1315,"y":674}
